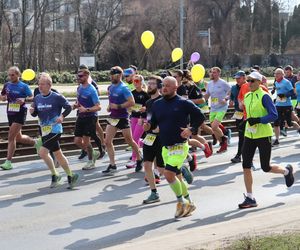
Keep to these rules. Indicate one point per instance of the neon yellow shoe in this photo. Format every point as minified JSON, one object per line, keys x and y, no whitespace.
{"x":38,"y":144}
{"x":6,"y":165}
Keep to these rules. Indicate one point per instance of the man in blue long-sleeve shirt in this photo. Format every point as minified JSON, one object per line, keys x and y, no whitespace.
{"x":173,"y":114}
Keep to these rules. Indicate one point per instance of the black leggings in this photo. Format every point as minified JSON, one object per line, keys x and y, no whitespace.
{"x":264,"y":146}
{"x":240,"y":124}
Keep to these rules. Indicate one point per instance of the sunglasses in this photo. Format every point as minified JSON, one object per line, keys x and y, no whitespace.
{"x":80,"y":76}
{"x":251,"y":80}
{"x":136,"y":81}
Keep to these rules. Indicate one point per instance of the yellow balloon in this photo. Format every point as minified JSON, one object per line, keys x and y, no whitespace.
{"x":198,"y":72}
{"x":28,"y":75}
{"x":147,"y":39}
{"x":176,"y":54}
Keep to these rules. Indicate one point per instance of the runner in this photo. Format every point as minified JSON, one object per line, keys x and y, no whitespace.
{"x":138,"y":115}
{"x":47,"y":106}
{"x":152,"y":149}
{"x":260,"y":113}
{"x":284,"y":107}
{"x":87,"y":104}
{"x":240,"y":78}
{"x":128,"y":75}
{"x":172,"y":114}
{"x":98,"y":140}
{"x":297,"y":92}
{"x":16,"y":93}
{"x":219,"y":91}
{"x":120,"y":99}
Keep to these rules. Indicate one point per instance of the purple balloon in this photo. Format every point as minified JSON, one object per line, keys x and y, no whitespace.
{"x":195,"y":57}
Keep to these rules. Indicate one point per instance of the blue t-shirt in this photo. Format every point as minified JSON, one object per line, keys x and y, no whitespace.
{"x":297,"y":86}
{"x":283,"y":87}
{"x":87,"y":97}
{"x":13,"y":91}
{"x":119,"y":94}
{"x":235,"y":90}
{"x":49,"y":109}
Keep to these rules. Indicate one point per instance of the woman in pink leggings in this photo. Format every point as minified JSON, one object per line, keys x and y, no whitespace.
{"x":138,"y":114}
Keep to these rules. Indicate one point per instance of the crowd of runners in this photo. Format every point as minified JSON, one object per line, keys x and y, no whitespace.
{"x":161,"y":119}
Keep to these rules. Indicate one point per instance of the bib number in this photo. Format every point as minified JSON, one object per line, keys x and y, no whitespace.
{"x":149,"y":139}
{"x":46,"y":130}
{"x":215,"y":100}
{"x":14,"y":107}
{"x":238,"y":115}
{"x":136,"y":107}
{"x":113,"y":122}
{"x":205,"y":109}
{"x":281,"y":99}
{"x":252,"y":129}
{"x":175,"y":150}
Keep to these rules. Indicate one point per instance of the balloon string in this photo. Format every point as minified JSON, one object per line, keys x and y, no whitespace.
{"x":142,"y":59}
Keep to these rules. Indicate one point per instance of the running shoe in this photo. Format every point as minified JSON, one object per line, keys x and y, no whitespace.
{"x":236,"y":159}
{"x":187,"y":174}
{"x":275,"y":143}
{"x":253,"y":167}
{"x":248,"y":203}
{"x":179,"y":209}
{"x":139,"y":165}
{"x":207,"y":151}
{"x":110,"y":169}
{"x":289,"y":178}
{"x":38,"y":143}
{"x":223,"y":147}
{"x":131,"y":164}
{"x":82,"y":154}
{"x":156,"y":178}
{"x":55,"y":181}
{"x":283,"y":132}
{"x":189,"y":208}
{"x":229,"y":134}
{"x":211,"y":147}
{"x":72,"y":180}
{"x":153,"y":197}
{"x":6,"y":165}
{"x":193,"y":162}
{"x":89,"y":166}
{"x":96,"y":154}
{"x":102,"y":154}
{"x":215,"y":141}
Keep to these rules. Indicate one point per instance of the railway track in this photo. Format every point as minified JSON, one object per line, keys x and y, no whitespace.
{"x":26,"y":153}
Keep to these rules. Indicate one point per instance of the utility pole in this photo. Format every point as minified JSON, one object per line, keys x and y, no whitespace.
{"x":181,"y":27}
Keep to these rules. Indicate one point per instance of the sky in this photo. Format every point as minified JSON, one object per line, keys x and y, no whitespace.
{"x":289,"y":4}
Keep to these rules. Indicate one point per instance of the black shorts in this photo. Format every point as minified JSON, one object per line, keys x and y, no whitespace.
{"x":85,"y":126}
{"x":19,"y":117}
{"x":284,"y":114}
{"x":173,"y":169}
{"x":264,"y":146}
{"x":154,"y":152}
{"x":297,"y":110}
{"x":51,"y":142}
{"x":122,"y":124}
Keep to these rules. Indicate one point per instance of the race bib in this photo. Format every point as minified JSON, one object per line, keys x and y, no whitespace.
{"x":14,"y":107}
{"x":214,"y":100}
{"x":238,"y":115}
{"x":205,"y":109}
{"x":113,"y":122}
{"x":281,"y":99}
{"x":175,"y":150}
{"x":46,"y":130}
{"x":136,"y":107}
{"x":252,"y":129}
{"x":149,"y":139}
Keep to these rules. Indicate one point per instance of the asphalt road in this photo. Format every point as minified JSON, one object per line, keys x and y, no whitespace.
{"x":107,"y":211}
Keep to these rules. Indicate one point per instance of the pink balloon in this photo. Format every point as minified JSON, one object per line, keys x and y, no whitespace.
{"x":195,"y":57}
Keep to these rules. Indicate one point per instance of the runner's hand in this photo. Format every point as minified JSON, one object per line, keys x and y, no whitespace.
{"x":146,"y":126}
{"x":186,"y":133}
{"x":60,"y":119}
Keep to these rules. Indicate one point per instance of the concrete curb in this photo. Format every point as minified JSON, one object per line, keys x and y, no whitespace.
{"x":212,"y":236}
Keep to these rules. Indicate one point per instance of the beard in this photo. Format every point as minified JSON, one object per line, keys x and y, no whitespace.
{"x":152,"y":91}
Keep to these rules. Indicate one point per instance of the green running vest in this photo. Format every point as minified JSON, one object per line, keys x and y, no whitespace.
{"x":255,"y":108}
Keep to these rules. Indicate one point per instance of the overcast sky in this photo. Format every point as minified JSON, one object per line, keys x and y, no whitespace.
{"x":290,"y":4}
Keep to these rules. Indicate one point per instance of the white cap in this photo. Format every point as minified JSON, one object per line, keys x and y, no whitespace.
{"x":255,"y":75}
